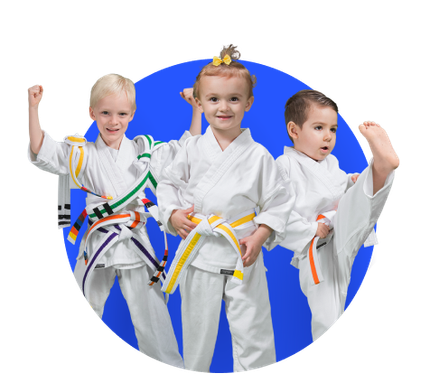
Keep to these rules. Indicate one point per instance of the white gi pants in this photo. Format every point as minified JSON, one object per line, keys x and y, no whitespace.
{"x":248,"y":313}
{"x":356,"y":216}
{"x":147,"y":308}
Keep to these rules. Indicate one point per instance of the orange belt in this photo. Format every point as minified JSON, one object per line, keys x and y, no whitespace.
{"x":313,"y":256}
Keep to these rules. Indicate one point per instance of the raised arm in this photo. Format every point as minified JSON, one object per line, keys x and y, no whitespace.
{"x":196,"y":122}
{"x":36,"y":134}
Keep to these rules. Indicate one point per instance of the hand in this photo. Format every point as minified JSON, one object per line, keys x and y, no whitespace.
{"x":35,"y":95}
{"x":187,"y":95}
{"x":181,"y":223}
{"x":322,"y":230}
{"x":254,"y":243}
{"x":355,"y":177}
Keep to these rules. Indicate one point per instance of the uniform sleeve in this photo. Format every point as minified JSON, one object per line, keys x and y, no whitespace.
{"x":299,"y":231}
{"x":52,"y":157}
{"x":164,"y":156}
{"x":174,"y":179}
{"x":276,"y":202}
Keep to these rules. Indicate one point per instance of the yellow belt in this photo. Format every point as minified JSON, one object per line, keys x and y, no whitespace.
{"x":188,"y":249}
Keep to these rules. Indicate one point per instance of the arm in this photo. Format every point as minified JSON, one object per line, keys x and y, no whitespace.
{"x":196,"y":121}
{"x":170,"y":202}
{"x":163,"y":157}
{"x":276,"y":200}
{"x":36,"y":134}
{"x":44,"y":152}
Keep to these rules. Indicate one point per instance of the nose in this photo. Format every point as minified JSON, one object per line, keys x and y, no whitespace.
{"x":328,"y":136}
{"x":114,"y":119}
{"x":223,"y":106}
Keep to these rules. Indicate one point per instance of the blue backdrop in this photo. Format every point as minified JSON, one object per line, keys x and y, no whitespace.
{"x":162,"y":113}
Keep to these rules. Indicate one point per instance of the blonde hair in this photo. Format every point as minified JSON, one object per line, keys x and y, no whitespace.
{"x":234,"y":69}
{"x":113,"y":84}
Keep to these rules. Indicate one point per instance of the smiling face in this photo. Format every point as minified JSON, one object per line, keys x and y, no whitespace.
{"x":317,"y":137}
{"x":112,"y":114}
{"x":224,"y":101}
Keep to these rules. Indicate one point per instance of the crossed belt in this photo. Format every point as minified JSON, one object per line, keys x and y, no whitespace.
{"x":210,"y":225}
{"x":119,"y":227}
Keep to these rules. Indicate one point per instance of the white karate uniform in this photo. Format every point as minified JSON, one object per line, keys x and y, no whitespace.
{"x":111,"y":172}
{"x":321,"y":187}
{"x":226,"y":183}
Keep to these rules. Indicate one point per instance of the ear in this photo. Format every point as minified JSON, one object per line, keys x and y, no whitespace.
{"x":293,"y":130}
{"x":92,"y":115}
{"x":249,"y":103}
{"x":199,"y":105}
{"x":132,"y":116}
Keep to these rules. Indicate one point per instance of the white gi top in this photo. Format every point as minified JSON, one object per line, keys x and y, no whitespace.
{"x":226,"y":183}
{"x":107,"y":176}
{"x":319,"y":185}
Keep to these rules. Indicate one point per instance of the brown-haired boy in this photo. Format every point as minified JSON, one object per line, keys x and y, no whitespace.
{"x":334,"y":213}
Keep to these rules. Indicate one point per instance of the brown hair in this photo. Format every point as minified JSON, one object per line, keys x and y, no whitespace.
{"x":298,"y":106}
{"x":224,"y":70}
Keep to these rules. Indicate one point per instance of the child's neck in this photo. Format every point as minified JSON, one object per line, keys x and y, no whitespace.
{"x":225,"y":137}
{"x":305,"y":154}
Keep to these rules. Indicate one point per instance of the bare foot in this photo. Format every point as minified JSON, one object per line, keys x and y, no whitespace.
{"x":385,"y":158}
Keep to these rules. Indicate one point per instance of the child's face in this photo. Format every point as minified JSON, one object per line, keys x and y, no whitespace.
{"x":317,"y":137}
{"x":224,"y":101}
{"x":112,"y":114}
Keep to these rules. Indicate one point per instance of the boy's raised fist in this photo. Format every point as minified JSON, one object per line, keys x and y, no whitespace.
{"x":35,"y":95}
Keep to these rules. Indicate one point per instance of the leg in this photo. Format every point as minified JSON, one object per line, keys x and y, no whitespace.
{"x":323,"y":298}
{"x":250,"y":320}
{"x":358,"y":212}
{"x":98,"y":286}
{"x":150,"y":316}
{"x":385,"y":159}
{"x":201,"y":294}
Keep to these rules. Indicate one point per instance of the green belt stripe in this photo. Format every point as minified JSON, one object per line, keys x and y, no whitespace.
{"x":144,"y":156}
{"x":131,"y":193}
{"x":149,"y":140}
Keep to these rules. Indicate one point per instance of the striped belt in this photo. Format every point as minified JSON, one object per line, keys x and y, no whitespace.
{"x":313,"y":257}
{"x":109,"y":216}
{"x":115,"y":228}
{"x":207,"y":226}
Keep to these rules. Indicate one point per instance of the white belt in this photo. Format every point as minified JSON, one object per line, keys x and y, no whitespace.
{"x":210,"y":225}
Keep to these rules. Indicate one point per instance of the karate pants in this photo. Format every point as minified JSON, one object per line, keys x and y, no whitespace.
{"x":356,"y":216}
{"x":248,"y":313}
{"x":148,"y":310}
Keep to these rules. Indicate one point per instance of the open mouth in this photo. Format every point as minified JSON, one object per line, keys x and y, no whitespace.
{"x":223,"y":116}
{"x":112,"y":130}
{"x":324,"y":148}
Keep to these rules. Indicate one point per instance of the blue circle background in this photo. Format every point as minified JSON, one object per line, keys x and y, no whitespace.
{"x":162,"y":113}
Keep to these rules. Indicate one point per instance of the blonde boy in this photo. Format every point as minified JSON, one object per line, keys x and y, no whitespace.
{"x":334,"y":212}
{"x":209,"y":197}
{"x":118,"y":245}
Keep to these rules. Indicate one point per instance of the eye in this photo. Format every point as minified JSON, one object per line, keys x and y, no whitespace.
{"x":105,"y":112}
{"x":213,"y":99}
{"x":234,"y":99}
{"x":318,"y":128}
{"x":123,"y":114}
{"x":333,"y":130}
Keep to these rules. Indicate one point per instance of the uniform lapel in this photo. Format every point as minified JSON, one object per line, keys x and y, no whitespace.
{"x":110,"y":167}
{"x":318,"y":169}
{"x":221,"y":161}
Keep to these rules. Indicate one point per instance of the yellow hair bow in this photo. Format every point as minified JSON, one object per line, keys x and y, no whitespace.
{"x":217,"y":61}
